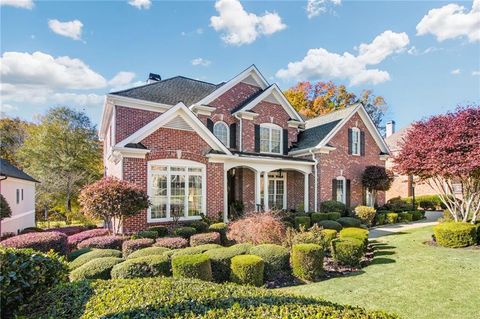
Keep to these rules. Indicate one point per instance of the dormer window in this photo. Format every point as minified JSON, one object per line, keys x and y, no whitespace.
{"x":355,"y":141}
{"x":220,"y":130}
{"x":270,"y":138}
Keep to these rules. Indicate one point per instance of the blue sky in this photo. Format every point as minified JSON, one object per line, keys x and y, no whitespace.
{"x":74,"y":52}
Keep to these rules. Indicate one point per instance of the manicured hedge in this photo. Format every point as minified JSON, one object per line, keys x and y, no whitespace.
{"x":149,"y":251}
{"x":98,"y":268}
{"x":328,"y":236}
{"x":205,"y":238}
{"x":332,"y":206}
{"x":247,"y":270}
{"x":275,"y":257}
{"x":455,"y":234}
{"x":192,"y":266}
{"x":334,"y":215}
{"x":171,"y":298}
{"x":184,"y":231}
{"x":200,"y":226}
{"x":171,"y":242}
{"x":241,"y":249}
{"x":25,"y":272}
{"x":391,"y":218}
{"x":129,"y":246}
{"x":74,"y":240}
{"x":348,"y":251}
{"x":330,"y":224}
{"x":307,"y":261}
{"x":380,"y":218}
{"x":195,"y":250}
{"x":349,"y":222}
{"x":94,"y":254}
{"x":417,"y":215}
{"x":405,"y":217}
{"x":220,"y":228}
{"x":69,"y":230}
{"x":316,"y":217}
{"x":103,"y":242}
{"x":162,"y":231}
{"x":77,"y":253}
{"x":356,"y":233}
{"x":43,"y":242}
{"x":220,"y":260}
{"x":149,"y":266}
{"x":152,"y":234}
{"x":302,"y":221}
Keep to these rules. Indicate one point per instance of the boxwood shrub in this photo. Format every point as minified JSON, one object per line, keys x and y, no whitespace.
{"x":275,"y":257}
{"x":357,"y":233}
{"x":74,"y":240}
{"x":69,"y":230}
{"x":380,"y":218}
{"x":391,"y":218}
{"x":149,"y":251}
{"x":148,"y":266}
{"x":77,"y":253}
{"x":349,"y":222}
{"x":330,"y":224}
{"x":195,"y":250}
{"x":103,"y":242}
{"x":192,"y":266}
{"x":307,"y":261}
{"x":220,"y":260}
{"x":205,"y":238}
{"x":152,"y":234}
{"x":405,"y":217}
{"x":98,"y":268}
{"x":25,"y":272}
{"x":129,"y":246}
{"x":417,"y":215}
{"x":334,"y":215}
{"x":316,"y":217}
{"x":162,"y":231}
{"x":199,"y":225}
{"x":220,"y":228}
{"x":332,"y":206}
{"x":42,"y":241}
{"x":162,"y":297}
{"x":347,"y":251}
{"x":247,"y":270}
{"x":241,"y":249}
{"x":184,"y":231}
{"x":94,"y":254}
{"x":328,"y":236}
{"x":171,"y":242}
{"x":302,"y":221}
{"x":455,"y":234}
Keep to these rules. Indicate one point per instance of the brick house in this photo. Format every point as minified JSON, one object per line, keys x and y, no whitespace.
{"x":197,"y":147}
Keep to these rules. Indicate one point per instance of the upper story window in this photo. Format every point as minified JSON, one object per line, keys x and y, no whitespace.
{"x":355,"y":141}
{"x":220,"y":130}
{"x":270,"y":138}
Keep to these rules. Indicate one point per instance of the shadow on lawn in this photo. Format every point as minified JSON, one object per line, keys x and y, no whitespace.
{"x":382,"y":249}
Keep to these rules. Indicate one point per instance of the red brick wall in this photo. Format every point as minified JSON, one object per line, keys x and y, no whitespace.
{"x":164,"y":144}
{"x":295,"y":190}
{"x":330,"y":165}
{"x":130,"y":120}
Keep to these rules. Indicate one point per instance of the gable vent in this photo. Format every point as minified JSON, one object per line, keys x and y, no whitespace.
{"x":178,"y":123}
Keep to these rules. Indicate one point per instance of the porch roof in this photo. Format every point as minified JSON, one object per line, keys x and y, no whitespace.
{"x":273,"y":156}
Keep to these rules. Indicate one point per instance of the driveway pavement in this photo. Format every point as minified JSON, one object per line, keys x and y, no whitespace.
{"x":385,"y":230}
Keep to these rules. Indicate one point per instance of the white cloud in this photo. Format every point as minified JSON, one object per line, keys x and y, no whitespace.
{"x":322,"y":64}
{"x":455,"y":72}
{"x":241,"y":27}
{"x":317,"y":7}
{"x":122,"y":78}
{"x":69,"y":29}
{"x":474,"y":73}
{"x":452,"y":21}
{"x":201,"y":62}
{"x":25,"y":4}
{"x":140,"y":4}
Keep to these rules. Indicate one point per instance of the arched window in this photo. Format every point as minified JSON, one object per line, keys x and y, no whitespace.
{"x":270,"y":138}
{"x":220,"y":130}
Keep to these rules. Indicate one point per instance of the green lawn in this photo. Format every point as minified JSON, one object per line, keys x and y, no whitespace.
{"x":411,"y":279}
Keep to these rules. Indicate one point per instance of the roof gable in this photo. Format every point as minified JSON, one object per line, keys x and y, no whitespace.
{"x":9,"y":170}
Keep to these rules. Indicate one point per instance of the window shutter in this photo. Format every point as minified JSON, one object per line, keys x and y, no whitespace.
{"x":210,"y":125}
{"x":334,"y":189}
{"x":233,"y":135}
{"x":285,"y":141}
{"x":350,"y":141}
{"x":362,"y":143}
{"x":347,"y":194}
{"x":257,"y":138}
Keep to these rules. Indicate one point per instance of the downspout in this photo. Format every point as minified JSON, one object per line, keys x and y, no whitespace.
{"x":315,"y":184}
{"x":240,"y":146}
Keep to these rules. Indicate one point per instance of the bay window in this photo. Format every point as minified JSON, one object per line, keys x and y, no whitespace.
{"x":270,"y":138}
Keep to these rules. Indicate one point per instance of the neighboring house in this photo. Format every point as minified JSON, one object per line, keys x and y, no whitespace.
{"x":197,"y":147}
{"x":403,"y":185}
{"x":18,"y":188}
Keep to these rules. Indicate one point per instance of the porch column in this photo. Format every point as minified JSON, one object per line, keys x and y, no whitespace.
{"x":258,"y":198}
{"x":225,"y":195}
{"x":306,"y":192}
{"x":265,"y":191}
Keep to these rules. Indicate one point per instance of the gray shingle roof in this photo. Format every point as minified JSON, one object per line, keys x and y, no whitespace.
{"x":9,"y":170}
{"x":171,"y":91}
{"x":312,"y":136}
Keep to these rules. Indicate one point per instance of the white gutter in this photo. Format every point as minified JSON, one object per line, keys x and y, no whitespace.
{"x":315,"y":185}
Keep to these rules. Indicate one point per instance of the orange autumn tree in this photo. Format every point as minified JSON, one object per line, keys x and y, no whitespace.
{"x":314,"y":99}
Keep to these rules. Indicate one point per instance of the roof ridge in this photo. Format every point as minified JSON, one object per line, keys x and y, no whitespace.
{"x":144,"y":85}
{"x":196,"y":80}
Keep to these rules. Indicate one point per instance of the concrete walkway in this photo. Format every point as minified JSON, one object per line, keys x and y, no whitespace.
{"x":385,"y":230}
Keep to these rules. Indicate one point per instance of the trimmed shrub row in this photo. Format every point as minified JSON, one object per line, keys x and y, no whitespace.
{"x":42,"y":241}
{"x":94,"y":254}
{"x":192,"y":266}
{"x":205,"y":238}
{"x":103,"y":242}
{"x":307,"y":261}
{"x":455,"y":234}
{"x":98,"y":268}
{"x":149,"y":251}
{"x":129,"y":246}
{"x":171,"y":242}
{"x":247,"y":270}
{"x":74,"y":240}
{"x":148,"y":266}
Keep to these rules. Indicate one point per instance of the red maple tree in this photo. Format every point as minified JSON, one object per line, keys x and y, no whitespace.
{"x":444,"y":150}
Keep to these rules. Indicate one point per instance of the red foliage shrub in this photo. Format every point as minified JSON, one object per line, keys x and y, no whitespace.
{"x":74,"y":240}
{"x":171,"y":242}
{"x":129,"y":246}
{"x":258,"y":228}
{"x":69,"y":230}
{"x":43,"y":241}
{"x":205,"y":238}
{"x":103,"y":242}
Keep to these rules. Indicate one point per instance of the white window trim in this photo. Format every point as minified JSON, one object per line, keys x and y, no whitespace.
{"x":359,"y":141}
{"x":344,"y":197}
{"x":271,"y":127}
{"x":176,"y":162}
{"x":275,"y":177}
{"x":228,"y":131}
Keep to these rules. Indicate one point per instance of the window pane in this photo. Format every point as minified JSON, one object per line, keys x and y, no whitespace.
{"x":177,"y":198}
{"x":264,"y":139}
{"x":195,"y":169}
{"x":177,"y":169}
{"x":220,"y":130}
{"x":159,"y":196}
{"x":194,"y":195}
{"x":275,"y":141}
{"x":160,"y":168}
{"x":340,"y":190}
